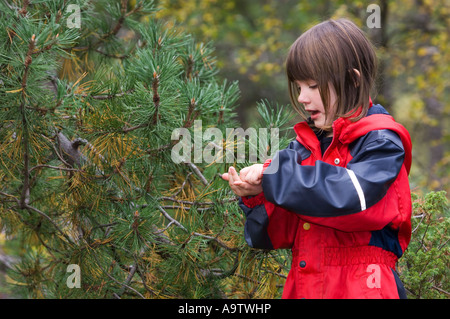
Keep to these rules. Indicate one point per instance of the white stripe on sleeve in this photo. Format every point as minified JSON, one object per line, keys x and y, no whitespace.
{"x":358,"y":188}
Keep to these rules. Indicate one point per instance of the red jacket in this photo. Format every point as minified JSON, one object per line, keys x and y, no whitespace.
{"x":345,"y":215}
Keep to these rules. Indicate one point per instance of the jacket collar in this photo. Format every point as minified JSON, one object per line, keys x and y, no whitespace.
{"x":307,"y":137}
{"x":347,"y":131}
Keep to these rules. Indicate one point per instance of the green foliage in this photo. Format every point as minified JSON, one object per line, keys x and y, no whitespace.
{"x":86,"y":174}
{"x":424,"y":269}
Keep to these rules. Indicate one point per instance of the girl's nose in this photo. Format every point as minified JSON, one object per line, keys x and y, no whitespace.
{"x":303,"y":98}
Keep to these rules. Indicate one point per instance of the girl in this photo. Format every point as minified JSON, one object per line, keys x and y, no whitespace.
{"x":339,"y":195}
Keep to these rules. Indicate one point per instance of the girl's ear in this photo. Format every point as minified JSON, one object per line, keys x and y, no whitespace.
{"x":356,"y":76}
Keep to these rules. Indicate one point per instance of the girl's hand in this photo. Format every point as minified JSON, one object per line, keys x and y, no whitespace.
{"x":252,"y":174}
{"x":240,"y":187}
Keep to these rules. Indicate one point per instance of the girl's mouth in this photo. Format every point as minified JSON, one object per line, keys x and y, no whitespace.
{"x":314,"y":114}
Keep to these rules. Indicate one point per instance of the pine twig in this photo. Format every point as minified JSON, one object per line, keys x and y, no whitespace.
{"x":115,"y":280}
{"x":55,"y":167}
{"x":24,"y":9}
{"x":108,"y":96}
{"x":25,"y":198}
{"x":191,"y":115}
{"x":179,"y":201}
{"x":186,"y":208}
{"x":118,"y":25}
{"x":127,"y":281}
{"x":198,"y":173}
{"x":133,"y":128}
{"x":156,"y":97}
{"x":28,"y":207}
{"x":121,"y":57}
{"x":182,"y":186}
{"x":178,"y":224}
{"x":441,"y":290}
{"x":186,"y":202}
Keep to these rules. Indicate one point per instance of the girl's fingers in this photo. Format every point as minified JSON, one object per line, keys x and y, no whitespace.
{"x":246,"y":175}
{"x":238,"y":186}
{"x":254,"y":175}
{"x":243,"y":173}
{"x":234,"y":177}
{"x":251,"y":178}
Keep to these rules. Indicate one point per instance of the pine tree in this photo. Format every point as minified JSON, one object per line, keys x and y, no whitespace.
{"x":88,"y":107}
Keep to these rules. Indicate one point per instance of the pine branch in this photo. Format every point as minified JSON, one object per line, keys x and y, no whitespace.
{"x":155,"y":151}
{"x":31,"y":208}
{"x":118,"y":25}
{"x":186,"y":202}
{"x":190,"y":67}
{"x":156,"y":97}
{"x":137,"y":269}
{"x":178,"y":224}
{"x":191,"y":115}
{"x":143,"y":282}
{"x":28,"y":60}
{"x":114,"y":279}
{"x":198,"y":173}
{"x":48,"y":46}
{"x":114,"y":31}
{"x":106,"y":97}
{"x":127,"y":281}
{"x":25,"y":198}
{"x":121,"y":57}
{"x":441,"y":290}
{"x":44,"y":111}
{"x":12,"y":196}
{"x":93,"y":47}
{"x":186,"y":208}
{"x":182,"y":186}
{"x":55,"y":167}
{"x":24,"y":10}
{"x":254,"y":280}
{"x":133,"y":128}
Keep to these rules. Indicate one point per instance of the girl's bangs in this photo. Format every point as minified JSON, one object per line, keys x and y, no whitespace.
{"x":298,"y":70}
{"x":301,"y":63}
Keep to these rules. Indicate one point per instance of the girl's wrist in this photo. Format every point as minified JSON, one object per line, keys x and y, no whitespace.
{"x":253,"y":200}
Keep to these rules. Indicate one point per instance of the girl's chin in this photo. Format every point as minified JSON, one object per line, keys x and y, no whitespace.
{"x":319,"y":124}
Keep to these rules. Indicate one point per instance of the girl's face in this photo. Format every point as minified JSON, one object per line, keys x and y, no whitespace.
{"x":310,"y":98}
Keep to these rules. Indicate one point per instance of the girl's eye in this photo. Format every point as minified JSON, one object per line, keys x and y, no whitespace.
{"x":315,"y":86}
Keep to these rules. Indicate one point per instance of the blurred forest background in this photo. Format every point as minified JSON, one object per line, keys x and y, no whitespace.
{"x":252,"y":39}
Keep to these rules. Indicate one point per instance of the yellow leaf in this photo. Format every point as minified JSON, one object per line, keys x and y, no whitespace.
{"x":422,"y":51}
{"x":79,"y":79}
{"x":15,"y":91}
{"x":9,"y":280}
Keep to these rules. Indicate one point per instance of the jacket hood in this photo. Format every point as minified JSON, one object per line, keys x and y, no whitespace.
{"x":347,"y":131}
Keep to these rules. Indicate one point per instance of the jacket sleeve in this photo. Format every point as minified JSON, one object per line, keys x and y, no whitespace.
{"x":325,"y":190}
{"x":267,"y":225}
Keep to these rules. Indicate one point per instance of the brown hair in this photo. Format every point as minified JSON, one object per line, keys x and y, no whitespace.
{"x":327,"y":54}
